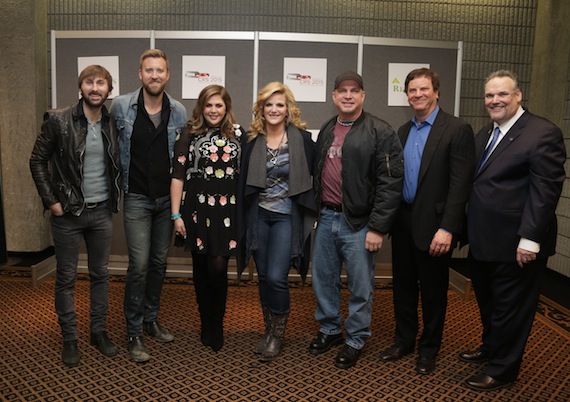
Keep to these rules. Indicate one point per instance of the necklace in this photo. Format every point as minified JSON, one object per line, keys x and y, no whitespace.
{"x":275,"y":152}
{"x":344,"y":123}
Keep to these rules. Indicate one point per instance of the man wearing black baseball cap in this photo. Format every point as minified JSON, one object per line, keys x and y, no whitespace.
{"x":358,"y":181}
{"x":346,"y":76}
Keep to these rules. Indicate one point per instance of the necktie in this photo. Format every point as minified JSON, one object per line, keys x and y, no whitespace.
{"x":489,"y":147}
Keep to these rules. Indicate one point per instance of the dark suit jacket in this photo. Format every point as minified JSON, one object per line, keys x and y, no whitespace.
{"x":515,"y":193}
{"x":445,"y":177}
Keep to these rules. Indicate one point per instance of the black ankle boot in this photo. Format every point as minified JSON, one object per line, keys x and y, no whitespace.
{"x":70,"y":355}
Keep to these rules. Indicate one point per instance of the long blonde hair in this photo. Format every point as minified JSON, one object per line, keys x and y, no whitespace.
{"x":294,"y":114}
{"x":198,"y":125}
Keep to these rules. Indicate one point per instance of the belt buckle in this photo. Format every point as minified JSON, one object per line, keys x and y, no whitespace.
{"x":335,"y":208}
{"x":91,"y":205}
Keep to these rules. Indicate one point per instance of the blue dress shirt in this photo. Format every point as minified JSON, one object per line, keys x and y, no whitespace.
{"x":413,"y":151}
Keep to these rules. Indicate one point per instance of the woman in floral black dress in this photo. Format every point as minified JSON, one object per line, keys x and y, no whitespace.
{"x":203,"y":197}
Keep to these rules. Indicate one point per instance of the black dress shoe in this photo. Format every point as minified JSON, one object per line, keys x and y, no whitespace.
{"x":102,"y":342}
{"x":477,"y":356}
{"x":70,"y":355}
{"x":483,"y":382}
{"x":137,"y":351}
{"x":347,"y":357}
{"x":157,"y":332}
{"x":324,"y":342}
{"x":393,"y":353}
{"x":425,"y":365}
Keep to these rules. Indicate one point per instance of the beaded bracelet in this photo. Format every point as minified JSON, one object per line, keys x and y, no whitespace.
{"x":175,"y":216}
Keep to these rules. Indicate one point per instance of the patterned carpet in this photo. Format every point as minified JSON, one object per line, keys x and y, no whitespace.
{"x":31,"y":368}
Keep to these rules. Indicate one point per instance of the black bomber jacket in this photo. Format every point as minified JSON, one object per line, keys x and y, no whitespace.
{"x":372,"y":171}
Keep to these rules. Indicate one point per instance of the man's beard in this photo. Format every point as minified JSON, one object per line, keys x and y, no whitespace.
{"x":154,"y":91}
{"x":94,"y":104}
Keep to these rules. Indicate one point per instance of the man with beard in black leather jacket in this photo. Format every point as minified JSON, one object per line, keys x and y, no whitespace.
{"x":75,"y":166}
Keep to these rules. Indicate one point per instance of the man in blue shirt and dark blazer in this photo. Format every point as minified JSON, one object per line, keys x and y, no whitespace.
{"x":439,"y":161}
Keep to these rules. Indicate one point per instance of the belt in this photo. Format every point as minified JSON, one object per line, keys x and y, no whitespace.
{"x":332,"y":207}
{"x":91,"y":205}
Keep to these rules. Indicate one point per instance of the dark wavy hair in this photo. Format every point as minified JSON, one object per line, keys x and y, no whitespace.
{"x":198,"y":125}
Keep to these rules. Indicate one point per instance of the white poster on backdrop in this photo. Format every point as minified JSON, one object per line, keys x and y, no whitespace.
{"x":200,"y":71}
{"x":397,"y":73}
{"x":307,"y":78}
{"x":111,"y":63}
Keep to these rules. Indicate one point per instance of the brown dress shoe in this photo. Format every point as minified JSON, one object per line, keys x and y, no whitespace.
{"x":477,"y":356}
{"x":393,"y":353}
{"x":425,"y":365}
{"x":483,"y":382}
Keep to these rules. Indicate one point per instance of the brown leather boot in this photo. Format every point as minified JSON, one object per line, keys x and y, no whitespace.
{"x":273,"y":347}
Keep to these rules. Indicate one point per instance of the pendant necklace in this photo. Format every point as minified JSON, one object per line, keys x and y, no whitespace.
{"x":275,"y":152}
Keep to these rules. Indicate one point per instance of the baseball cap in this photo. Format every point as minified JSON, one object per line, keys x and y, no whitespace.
{"x":348,"y":75}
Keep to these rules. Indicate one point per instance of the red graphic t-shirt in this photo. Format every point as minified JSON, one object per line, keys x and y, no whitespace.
{"x":331,"y":177}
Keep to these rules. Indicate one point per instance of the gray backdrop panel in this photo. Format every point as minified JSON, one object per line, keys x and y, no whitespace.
{"x":68,"y":50}
{"x":340,"y":57}
{"x":239,"y":70}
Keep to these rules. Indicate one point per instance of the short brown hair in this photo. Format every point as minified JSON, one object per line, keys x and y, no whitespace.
{"x":423,"y":72}
{"x":502,"y":74}
{"x":95,"y":70}
{"x":154,"y":53}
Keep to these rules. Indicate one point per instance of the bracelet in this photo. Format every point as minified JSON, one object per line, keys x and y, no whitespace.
{"x":175,"y":216}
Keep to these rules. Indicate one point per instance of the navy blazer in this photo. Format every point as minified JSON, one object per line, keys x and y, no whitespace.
{"x":516,"y":191}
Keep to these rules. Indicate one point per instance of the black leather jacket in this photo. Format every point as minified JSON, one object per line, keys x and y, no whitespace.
{"x":372,"y":172}
{"x":61,"y":143}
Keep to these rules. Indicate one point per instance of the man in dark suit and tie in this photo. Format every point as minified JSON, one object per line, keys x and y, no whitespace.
{"x":439,"y":162}
{"x":511,"y":226}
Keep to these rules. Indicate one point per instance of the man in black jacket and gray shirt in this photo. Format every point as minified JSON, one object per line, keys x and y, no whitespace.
{"x":358,"y":182}
{"x":75,"y":166}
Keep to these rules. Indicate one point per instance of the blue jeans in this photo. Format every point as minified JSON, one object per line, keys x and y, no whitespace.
{"x":273,"y":260}
{"x":148,"y":231}
{"x":95,"y":227}
{"x":335,"y":242}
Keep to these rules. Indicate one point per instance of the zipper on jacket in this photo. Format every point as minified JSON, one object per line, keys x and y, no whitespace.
{"x":387,"y":158}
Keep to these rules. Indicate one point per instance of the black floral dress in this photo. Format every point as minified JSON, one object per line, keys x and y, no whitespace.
{"x":209,"y":166}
